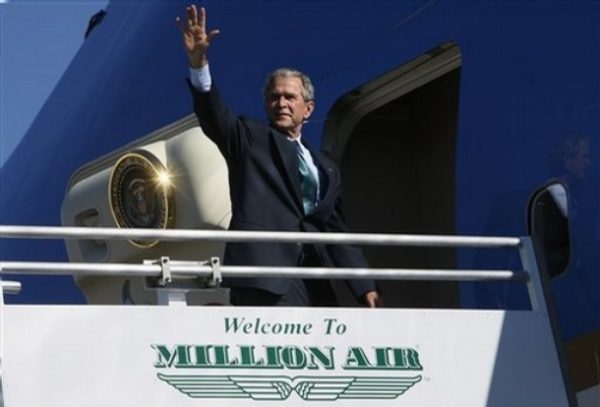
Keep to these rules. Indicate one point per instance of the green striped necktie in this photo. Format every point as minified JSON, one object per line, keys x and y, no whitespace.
{"x":308,"y":181}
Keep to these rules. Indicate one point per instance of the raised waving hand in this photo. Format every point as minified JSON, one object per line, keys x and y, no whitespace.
{"x":195,"y":38}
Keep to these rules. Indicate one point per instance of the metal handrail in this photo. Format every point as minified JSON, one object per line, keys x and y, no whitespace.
{"x":186,"y":269}
{"x":11,"y":287}
{"x":59,"y":232}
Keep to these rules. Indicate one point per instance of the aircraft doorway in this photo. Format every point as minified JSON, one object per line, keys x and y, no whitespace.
{"x":395,"y":139}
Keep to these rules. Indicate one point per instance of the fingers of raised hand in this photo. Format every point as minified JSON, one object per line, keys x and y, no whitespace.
{"x":192,"y":20}
{"x":201,"y":18}
{"x":196,"y":22}
{"x":212,"y":35}
{"x":192,"y":15}
{"x":194,"y":32}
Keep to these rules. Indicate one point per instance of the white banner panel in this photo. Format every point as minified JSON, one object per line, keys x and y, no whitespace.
{"x":88,"y":356}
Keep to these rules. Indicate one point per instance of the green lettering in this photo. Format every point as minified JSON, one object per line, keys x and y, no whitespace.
{"x":323,"y":359}
{"x":356,"y":359}
{"x":382,"y":359}
{"x":233,"y":324}
{"x":202,"y":355}
{"x":406,"y":358}
{"x":273,"y":360}
{"x":179,"y":357}
{"x":221,"y":355}
{"x":293,"y":357}
{"x":247,"y":356}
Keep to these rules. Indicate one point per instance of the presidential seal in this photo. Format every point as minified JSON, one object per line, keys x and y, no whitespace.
{"x":140,"y":194}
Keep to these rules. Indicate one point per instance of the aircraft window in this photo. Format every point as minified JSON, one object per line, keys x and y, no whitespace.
{"x":549,"y":228}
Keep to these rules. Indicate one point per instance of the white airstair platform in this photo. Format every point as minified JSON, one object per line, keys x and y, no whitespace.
{"x":179,"y":355}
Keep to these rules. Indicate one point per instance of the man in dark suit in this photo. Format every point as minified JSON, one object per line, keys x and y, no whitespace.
{"x":277,"y":181}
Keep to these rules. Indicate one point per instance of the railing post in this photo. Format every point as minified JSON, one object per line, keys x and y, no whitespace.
{"x":534,"y":285}
{"x":541,"y":302}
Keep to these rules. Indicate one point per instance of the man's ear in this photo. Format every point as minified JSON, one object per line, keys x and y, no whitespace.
{"x":310,"y":107}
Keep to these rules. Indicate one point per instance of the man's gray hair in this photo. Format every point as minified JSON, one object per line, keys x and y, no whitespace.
{"x":308,"y":90}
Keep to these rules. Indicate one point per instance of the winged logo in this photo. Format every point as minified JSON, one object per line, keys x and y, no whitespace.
{"x":310,"y":388}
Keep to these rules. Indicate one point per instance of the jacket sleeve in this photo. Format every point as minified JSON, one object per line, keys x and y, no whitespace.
{"x":228,"y":132}
{"x":348,"y":256}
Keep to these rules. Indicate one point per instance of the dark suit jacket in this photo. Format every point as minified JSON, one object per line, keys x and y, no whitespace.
{"x":265,"y":195}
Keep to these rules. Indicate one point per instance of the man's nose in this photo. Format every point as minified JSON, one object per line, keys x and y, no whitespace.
{"x":281,"y":102}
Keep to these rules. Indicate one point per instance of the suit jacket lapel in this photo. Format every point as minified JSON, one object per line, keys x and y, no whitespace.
{"x":287,"y":161}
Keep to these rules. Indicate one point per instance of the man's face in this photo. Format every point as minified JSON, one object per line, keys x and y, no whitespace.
{"x":578,"y":164}
{"x":285,"y":105}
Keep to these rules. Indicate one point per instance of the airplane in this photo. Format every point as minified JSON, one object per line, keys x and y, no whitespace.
{"x":446,"y":117}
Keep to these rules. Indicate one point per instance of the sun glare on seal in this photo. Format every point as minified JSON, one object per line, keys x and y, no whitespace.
{"x":141,"y":194}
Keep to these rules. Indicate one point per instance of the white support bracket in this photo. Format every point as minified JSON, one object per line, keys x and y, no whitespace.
{"x":165,"y":271}
{"x":169,"y":296}
{"x":216,"y":277}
